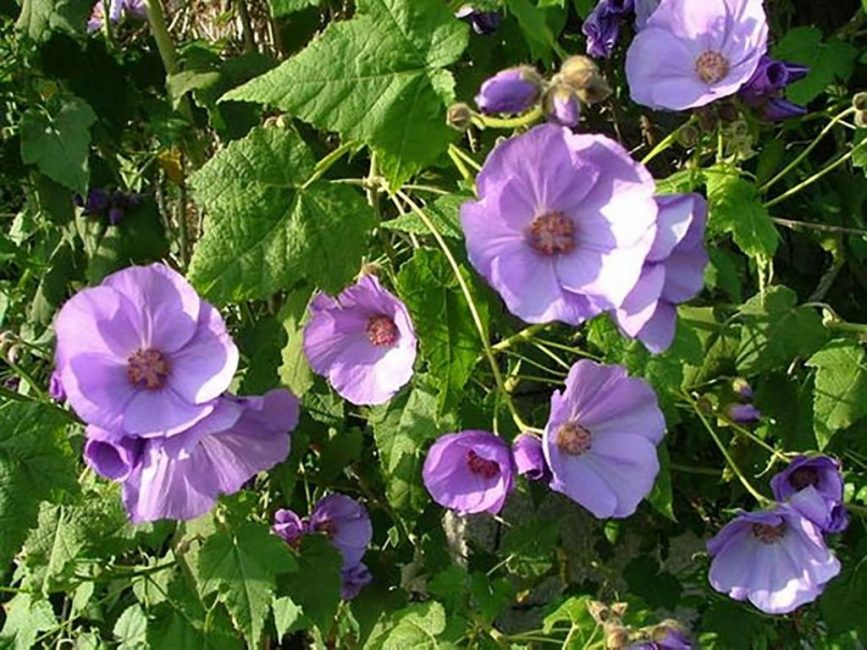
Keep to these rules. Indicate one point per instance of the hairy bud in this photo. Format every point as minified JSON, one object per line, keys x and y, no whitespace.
{"x":459,"y":116}
{"x":859,"y":101}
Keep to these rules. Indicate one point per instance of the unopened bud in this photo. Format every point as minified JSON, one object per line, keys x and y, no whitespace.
{"x":859,"y":101}
{"x":13,"y":354}
{"x":727,"y":112}
{"x":369,"y":268}
{"x":578,"y":70}
{"x":562,"y":106}
{"x":596,"y":90}
{"x":689,"y":135}
{"x":598,"y":611}
{"x":861,"y":119}
{"x":459,"y":116}
{"x":743,"y":413}
{"x":512,"y":91}
{"x":616,"y":637}
{"x":742,"y":388}
{"x":619,"y":609}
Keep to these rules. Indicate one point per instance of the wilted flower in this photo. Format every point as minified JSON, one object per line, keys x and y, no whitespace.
{"x":691,"y":53}
{"x":582,"y":75}
{"x":482,"y":22}
{"x":513,"y":90}
{"x":469,"y":472}
{"x":181,"y":476}
{"x":562,"y":106}
{"x":529,"y":457}
{"x":602,"y":26}
{"x":562,"y":225}
{"x":142,"y":354}
{"x":763,"y":91}
{"x":673,"y":273}
{"x":600,"y":440}
{"x":289,"y":526}
{"x":814,"y":487}
{"x":776,"y":559}
{"x":363,"y":341}
{"x":355,"y":578}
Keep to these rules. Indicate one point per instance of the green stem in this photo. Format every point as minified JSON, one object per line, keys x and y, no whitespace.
{"x":524,"y":335}
{"x":327,"y":162}
{"x":806,"y":152}
{"x":666,"y":142}
{"x":526,"y":119}
{"x":815,"y":177}
{"x":463,"y":155}
{"x":474,"y":312}
{"x":161,"y":35}
{"x":849,"y":328}
{"x":821,"y":227}
{"x":466,"y":174}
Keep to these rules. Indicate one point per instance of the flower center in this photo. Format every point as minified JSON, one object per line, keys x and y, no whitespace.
{"x":552,"y":233}
{"x":804,"y":477}
{"x":769,"y":534}
{"x":328,"y":527}
{"x":711,"y":67}
{"x":381,"y":331}
{"x":148,"y":369}
{"x":483,"y":466}
{"x":573,"y":439}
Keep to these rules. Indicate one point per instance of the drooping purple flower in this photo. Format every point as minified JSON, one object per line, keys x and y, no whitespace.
{"x":778,"y":109}
{"x":600,"y":440}
{"x":562,"y":106}
{"x":562,"y":225}
{"x":602,"y":26}
{"x":814,"y":487}
{"x":117,"y":10}
{"x":513,"y":90}
{"x":529,"y":457}
{"x":355,"y":578}
{"x":763,"y":91}
{"x":346,"y":524}
{"x":673,"y":273}
{"x":744,"y":413}
{"x":181,"y":476}
{"x":776,"y":559}
{"x":289,"y":526}
{"x":142,"y":353}
{"x":482,"y":22}
{"x":469,"y":472}
{"x":363,"y":341}
{"x":691,"y":53}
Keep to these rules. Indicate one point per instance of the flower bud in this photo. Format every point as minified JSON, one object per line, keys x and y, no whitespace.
{"x":616,"y":636}
{"x":513,"y":90}
{"x":597,"y":90}
{"x":742,"y":388}
{"x":744,"y":413}
{"x":529,"y":458}
{"x":598,"y":611}
{"x":459,"y":116}
{"x":482,"y":22}
{"x":689,"y":135}
{"x":861,"y":119}
{"x":619,"y":609}
{"x":577,"y":71}
{"x":859,"y":101}
{"x":562,"y":106}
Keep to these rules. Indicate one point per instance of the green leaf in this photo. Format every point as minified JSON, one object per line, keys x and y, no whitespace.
{"x":775,"y":331}
{"x":242,"y":566}
{"x":130,"y":631}
{"x":735,"y":207}
{"x":315,"y":587}
{"x":443,"y":321}
{"x":281,"y":8}
{"x":264,"y":231}
{"x":39,"y":18}
{"x":58,"y":142}
{"x":35,"y":462}
{"x":377,"y":78}
{"x":540,"y":26}
{"x":444,"y":213}
{"x":573,"y":611}
{"x":662,"y":497}
{"x":840,"y":393}
{"x":25,"y":619}
{"x":416,"y":626}
{"x":529,"y":547}
{"x":295,"y":371}
{"x":286,"y":613}
{"x":828,"y":61}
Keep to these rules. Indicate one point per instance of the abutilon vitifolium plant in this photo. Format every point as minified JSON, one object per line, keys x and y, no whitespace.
{"x":486,"y":324}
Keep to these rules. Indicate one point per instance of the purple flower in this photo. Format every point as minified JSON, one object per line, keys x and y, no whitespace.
{"x":778,"y":109}
{"x":666,"y":636}
{"x":346,"y":524}
{"x":643,"y":10}
{"x":763,"y":90}
{"x":744,"y":413}
{"x":142,"y":353}
{"x":602,"y":26}
{"x":97,"y":201}
{"x":469,"y":472}
{"x":742,"y":388}
{"x":55,"y":387}
{"x":363,"y":341}
{"x":600,"y":440}
{"x":776,"y":559}
{"x":562,"y":225}
{"x":814,"y":487}
{"x":513,"y":90}
{"x":355,"y":578}
{"x":289,"y":526}
{"x":482,"y":22}
{"x":562,"y":106}
{"x":529,"y":457}
{"x":673,"y":273}
{"x":691,"y":53}
{"x":181,"y":476}
{"x":117,"y":9}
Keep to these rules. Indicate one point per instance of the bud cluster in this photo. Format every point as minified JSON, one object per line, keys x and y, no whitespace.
{"x":668,"y":635}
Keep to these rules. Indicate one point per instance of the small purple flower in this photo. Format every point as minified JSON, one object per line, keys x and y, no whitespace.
{"x":673,"y":273}
{"x":142,"y":353}
{"x":776,"y":559}
{"x":513,"y":90}
{"x":602,"y":26}
{"x":600,"y":440}
{"x":562,"y":225}
{"x":469,"y":472}
{"x":355,"y":578}
{"x":289,"y":526}
{"x":363,"y":341}
{"x":691,"y":53}
{"x":181,"y":477}
{"x":529,"y":457}
{"x":764,"y":89}
{"x":117,"y":10}
{"x":346,"y":524}
{"x":562,"y":106}
{"x":744,"y":413}
{"x":814,"y":487}
{"x":742,"y":388}
{"x":666,"y":636}
{"x":97,"y":201}
{"x":482,"y":22}
{"x":55,"y":387}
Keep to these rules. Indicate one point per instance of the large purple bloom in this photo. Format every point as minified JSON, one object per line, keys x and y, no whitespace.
{"x":691,"y":53}
{"x":600,"y":440}
{"x":363,"y":341}
{"x":776,"y":559}
{"x":673,"y":273}
{"x":346,"y":523}
{"x":469,"y":472}
{"x":814,"y":487}
{"x":181,"y":477}
{"x":562,"y":225}
{"x":142,"y":353}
